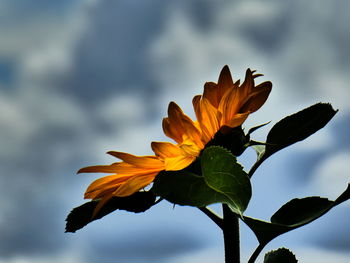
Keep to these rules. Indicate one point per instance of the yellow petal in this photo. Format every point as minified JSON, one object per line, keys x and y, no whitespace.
{"x":225,"y":82}
{"x":178,"y":163}
{"x":208,"y":117}
{"x":120,"y":167}
{"x":211,"y":93}
{"x":105,"y":183}
{"x":192,"y":133}
{"x":236,"y":120}
{"x":229,"y":105}
{"x":196,"y":101}
{"x":100,"y":204}
{"x":98,"y":169}
{"x":247,"y":86}
{"x":138,"y":161}
{"x":134,"y":184}
{"x":258,"y":98}
{"x":101,"y":193}
{"x":184,"y":125}
{"x":171,"y":131}
{"x":165,"y":149}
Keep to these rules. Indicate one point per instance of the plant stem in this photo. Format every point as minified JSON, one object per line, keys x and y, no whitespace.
{"x":256,"y":253}
{"x":216,"y":219}
{"x":231,"y":235}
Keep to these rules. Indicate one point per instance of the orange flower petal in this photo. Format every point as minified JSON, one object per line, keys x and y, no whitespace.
{"x":190,"y":149}
{"x":225,"y":82}
{"x":104,"y":183}
{"x":207,"y":116}
{"x":185,"y":126}
{"x":211,"y":93}
{"x":171,"y":131}
{"x":196,"y":101}
{"x":229,"y":105}
{"x":101,"y":193}
{"x":165,"y":149}
{"x":101,"y":203}
{"x":258,"y":98}
{"x":121,"y":167}
{"x":247,"y":87}
{"x":178,"y":163}
{"x":210,"y":116}
{"x":138,"y":161}
{"x":236,"y":120}
{"x":98,"y":169}
{"x":134,"y":184}
{"x":193,"y":133}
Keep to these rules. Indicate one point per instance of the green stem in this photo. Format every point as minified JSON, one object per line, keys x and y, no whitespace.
{"x":216,"y":219}
{"x":231,"y":235}
{"x":256,"y":253}
{"x":255,"y":166}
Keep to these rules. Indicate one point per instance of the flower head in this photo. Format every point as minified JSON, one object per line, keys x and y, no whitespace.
{"x":222,"y":107}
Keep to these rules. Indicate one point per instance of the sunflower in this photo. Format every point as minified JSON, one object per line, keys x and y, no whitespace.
{"x":222,"y":108}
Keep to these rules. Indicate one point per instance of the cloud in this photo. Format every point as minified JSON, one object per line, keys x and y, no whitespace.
{"x":40,"y":138}
{"x":67,"y":257}
{"x":112,"y":56}
{"x":333,"y":169}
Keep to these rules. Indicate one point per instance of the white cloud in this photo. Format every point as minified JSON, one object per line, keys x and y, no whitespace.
{"x":122,"y":109}
{"x":332,"y":175}
{"x":67,"y":257}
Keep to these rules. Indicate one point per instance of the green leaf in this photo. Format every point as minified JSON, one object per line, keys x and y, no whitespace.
{"x":280,"y":255}
{"x":186,"y":188}
{"x":300,"y":211}
{"x":223,"y":181}
{"x":222,"y":173}
{"x":294,"y":128}
{"x":82,"y":215}
{"x":260,"y":150}
{"x":292,"y":215}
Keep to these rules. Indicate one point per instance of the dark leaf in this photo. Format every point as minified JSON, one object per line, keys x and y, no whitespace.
{"x":82,"y":215}
{"x":299,"y":211}
{"x":294,"y":128}
{"x":222,"y":173}
{"x":186,"y":188}
{"x":294,"y":214}
{"x":298,"y":126}
{"x":281,"y":255}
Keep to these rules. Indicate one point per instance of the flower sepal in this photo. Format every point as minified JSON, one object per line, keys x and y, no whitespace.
{"x":232,"y":139}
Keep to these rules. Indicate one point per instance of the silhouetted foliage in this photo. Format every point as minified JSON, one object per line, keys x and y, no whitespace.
{"x":82,"y":215}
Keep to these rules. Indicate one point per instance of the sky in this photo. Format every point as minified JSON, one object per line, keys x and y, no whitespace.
{"x":81,"y":77}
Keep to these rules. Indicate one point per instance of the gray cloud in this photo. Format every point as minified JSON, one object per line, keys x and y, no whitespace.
{"x":112,"y":56}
